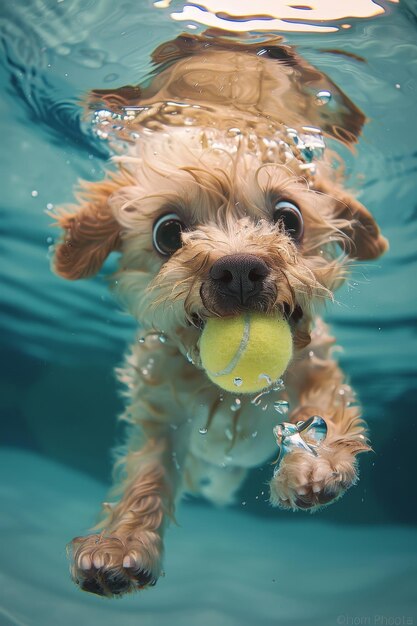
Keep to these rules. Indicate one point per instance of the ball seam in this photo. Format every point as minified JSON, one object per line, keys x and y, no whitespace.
{"x":239,"y":352}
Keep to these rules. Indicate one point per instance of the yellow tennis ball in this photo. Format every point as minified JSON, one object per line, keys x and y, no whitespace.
{"x":244,"y":354}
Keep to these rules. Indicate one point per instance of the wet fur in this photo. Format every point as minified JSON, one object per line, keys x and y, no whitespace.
{"x":224,"y":186}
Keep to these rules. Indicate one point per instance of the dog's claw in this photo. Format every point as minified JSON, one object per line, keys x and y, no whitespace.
{"x":128,"y":562}
{"x":85,"y":562}
{"x":98,"y":561}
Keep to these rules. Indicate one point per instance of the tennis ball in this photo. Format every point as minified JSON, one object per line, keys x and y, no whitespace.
{"x":244,"y":354}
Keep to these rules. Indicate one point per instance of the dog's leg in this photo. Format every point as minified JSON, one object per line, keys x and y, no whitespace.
{"x":126,"y":555}
{"x":318,"y":387}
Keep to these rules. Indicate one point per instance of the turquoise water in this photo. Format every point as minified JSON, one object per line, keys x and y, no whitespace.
{"x":60,"y":341}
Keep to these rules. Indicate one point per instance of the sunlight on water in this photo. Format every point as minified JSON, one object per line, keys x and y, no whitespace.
{"x":239,"y":16}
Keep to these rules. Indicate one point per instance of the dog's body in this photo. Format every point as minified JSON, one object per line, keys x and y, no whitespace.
{"x":211,"y":152}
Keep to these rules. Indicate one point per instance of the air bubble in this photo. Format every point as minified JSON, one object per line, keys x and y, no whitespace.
{"x":254,"y":434}
{"x":267,"y":378}
{"x":102,"y":114}
{"x":203,"y":430}
{"x":278,"y":385}
{"x":323,"y":97}
{"x":49,"y":206}
{"x":236,"y":405}
{"x":162,"y":338}
{"x":281,"y":407}
{"x":141,"y":339}
{"x":237,"y":381}
{"x":228,"y":434}
{"x":257,"y":400}
{"x":34,"y":193}
{"x":175,"y":461}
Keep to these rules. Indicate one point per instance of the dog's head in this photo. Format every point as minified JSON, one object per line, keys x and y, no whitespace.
{"x":209,"y":226}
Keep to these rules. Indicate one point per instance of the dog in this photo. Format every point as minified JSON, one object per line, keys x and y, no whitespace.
{"x":222,"y":178}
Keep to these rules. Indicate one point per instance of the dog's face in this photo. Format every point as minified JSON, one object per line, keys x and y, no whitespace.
{"x":212,"y":220}
{"x":209,"y":226}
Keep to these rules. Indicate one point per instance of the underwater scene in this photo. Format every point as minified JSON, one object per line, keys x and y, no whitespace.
{"x":264,"y":472}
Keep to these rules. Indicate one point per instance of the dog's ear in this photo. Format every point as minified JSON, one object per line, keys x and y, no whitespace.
{"x":364,"y":236}
{"x":90,"y":232}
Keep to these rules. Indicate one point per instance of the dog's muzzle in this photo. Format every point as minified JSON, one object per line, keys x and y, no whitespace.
{"x":236,"y":282}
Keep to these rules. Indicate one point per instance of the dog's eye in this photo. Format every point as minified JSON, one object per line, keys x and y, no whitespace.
{"x":289,"y":215}
{"x":166,"y":235}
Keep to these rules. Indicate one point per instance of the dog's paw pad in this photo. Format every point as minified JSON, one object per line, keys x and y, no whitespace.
{"x":106,"y":567}
{"x":115,"y":583}
{"x":307,"y":482}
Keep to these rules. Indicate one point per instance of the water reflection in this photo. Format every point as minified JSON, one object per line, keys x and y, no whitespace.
{"x":196,"y":76}
{"x":321,"y":16}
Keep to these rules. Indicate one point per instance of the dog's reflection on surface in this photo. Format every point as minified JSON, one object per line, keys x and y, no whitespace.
{"x":224,"y":199}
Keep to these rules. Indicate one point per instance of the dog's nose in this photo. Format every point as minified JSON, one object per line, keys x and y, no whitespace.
{"x":239,"y":276}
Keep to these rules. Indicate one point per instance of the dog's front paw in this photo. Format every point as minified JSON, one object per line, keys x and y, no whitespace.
{"x":113,"y":565}
{"x":304,"y":481}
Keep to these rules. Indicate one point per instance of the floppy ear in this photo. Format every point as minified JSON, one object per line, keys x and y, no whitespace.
{"x":366,"y":239}
{"x":90,"y":231}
